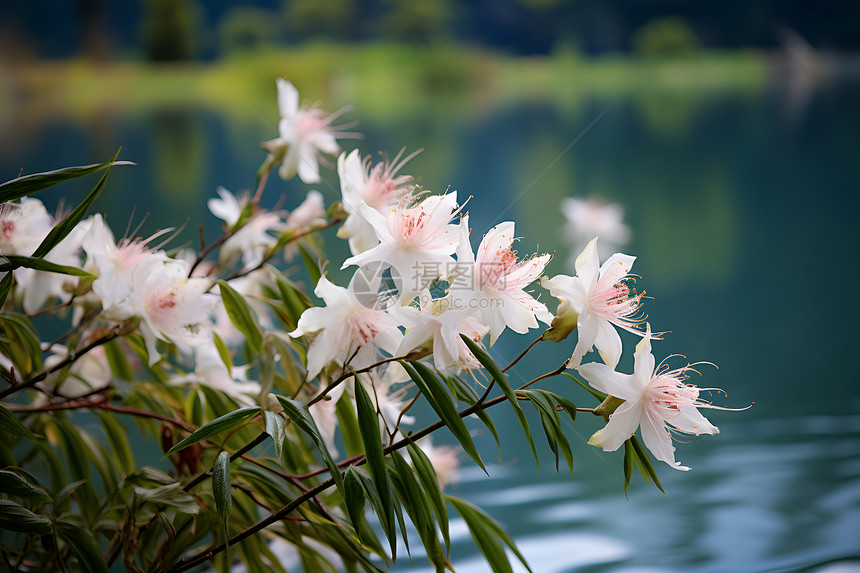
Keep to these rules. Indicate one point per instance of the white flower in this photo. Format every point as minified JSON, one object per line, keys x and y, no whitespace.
{"x":344,"y":330}
{"x":379,"y":187}
{"x":23,"y":226}
{"x":442,"y":326}
{"x":311,"y":210}
{"x":416,"y":241}
{"x":492,"y":283}
{"x":171,"y":306}
{"x":655,"y":399}
{"x":252,"y":239}
{"x":112,"y":263}
{"x":592,"y":217}
{"x":602,"y":298}
{"x":209,"y":369}
{"x":307,"y":131}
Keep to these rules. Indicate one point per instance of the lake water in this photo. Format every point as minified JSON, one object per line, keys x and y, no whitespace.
{"x":743,"y":209}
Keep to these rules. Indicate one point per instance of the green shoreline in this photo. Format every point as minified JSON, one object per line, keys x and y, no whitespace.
{"x":383,"y":80}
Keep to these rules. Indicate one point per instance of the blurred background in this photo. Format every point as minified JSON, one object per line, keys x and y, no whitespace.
{"x":718,"y":142}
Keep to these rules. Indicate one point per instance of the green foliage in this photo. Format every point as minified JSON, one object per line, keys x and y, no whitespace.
{"x":665,"y":37}
{"x":215,"y":427}
{"x":171,"y":29}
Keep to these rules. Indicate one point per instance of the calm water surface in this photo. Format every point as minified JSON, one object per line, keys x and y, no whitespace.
{"x":744,"y":218}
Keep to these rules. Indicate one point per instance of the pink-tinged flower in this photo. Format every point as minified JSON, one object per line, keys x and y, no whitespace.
{"x":23,"y":226}
{"x":437,"y":325}
{"x":492,"y":283}
{"x":252,"y":239}
{"x":171,"y":306}
{"x":345,"y":330}
{"x":416,"y":241}
{"x":602,"y":298}
{"x":655,"y":399}
{"x":112,"y":263}
{"x":307,"y":131}
{"x":378,"y":186}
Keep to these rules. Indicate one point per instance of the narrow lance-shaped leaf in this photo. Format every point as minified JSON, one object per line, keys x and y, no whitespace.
{"x":13,"y":484}
{"x":30,"y":184}
{"x":84,"y":546}
{"x":629,"y":455}
{"x":312,"y":264}
{"x":15,"y":261}
{"x":275,"y":429}
{"x":427,"y":476}
{"x":10,"y":424}
{"x":301,"y":417}
{"x":645,"y":462}
{"x":214,"y":427}
{"x":502,"y":380}
{"x":437,"y":394}
{"x":241,"y":316}
{"x":221,"y":491}
{"x":64,"y":227}
{"x":368,"y":425}
{"x":417,"y":505}
{"x":489,"y":536}
{"x":5,"y":285}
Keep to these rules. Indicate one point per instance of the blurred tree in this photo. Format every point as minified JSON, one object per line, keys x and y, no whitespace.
{"x":171,"y":29}
{"x":416,"y":21}
{"x":247,"y":28}
{"x":95,"y":43}
{"x":670,"y":36}
{"x":329,"y":18}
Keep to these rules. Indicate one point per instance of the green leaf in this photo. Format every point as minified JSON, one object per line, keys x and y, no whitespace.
{"x":10,"y":424}
{"x":645,"y":462}
{"x":83,"y":545}
{"x":415,"y":501}
{"x":118,"y":360}
{"x":629,"y":455}
{"x":349,"y":428}
{"x":427,"y":475}
{"x":64,"y":227}
{"x":171,"y":495}
{"x":14,"y":517}
{"x":368,"y":425}
{"x":13,"y":484}
{"x":275,"y":428}
{"x":301,"y":417}
{"x":437,"y":395}
{"x":20,"y":342}
{"x":488,"y":535}
{"x":221,"y":491}
{"x":241,"y":316}
{"x":117,"y":436}
{"x":502,"y":380}
{"x":15,"y":262}
{"x":223,"y":352}
{"x":547,"y":404}
{"x":353,"y":494}
{"x":30,"y":184}
{"x":5,"y":285}
{"x":214,"y":427}
{"x":313,"y":265}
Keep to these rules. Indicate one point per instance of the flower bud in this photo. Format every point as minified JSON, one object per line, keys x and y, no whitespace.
{"x":563,"y":324}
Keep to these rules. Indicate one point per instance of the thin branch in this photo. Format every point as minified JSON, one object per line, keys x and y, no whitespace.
{"x":71,"y":357}
{"x":523,"y":353}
